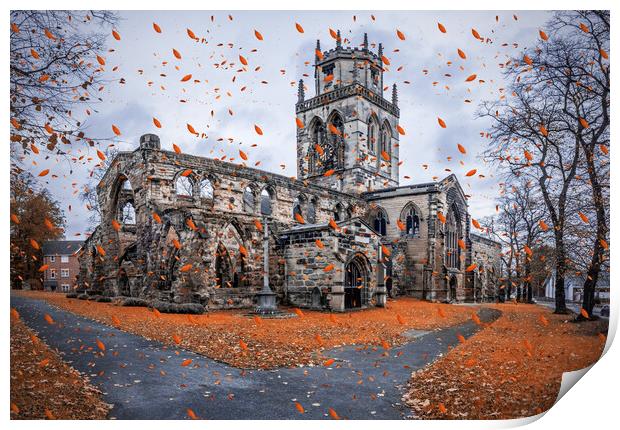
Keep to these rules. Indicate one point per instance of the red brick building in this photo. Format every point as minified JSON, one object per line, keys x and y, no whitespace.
{"x":61,"y":257}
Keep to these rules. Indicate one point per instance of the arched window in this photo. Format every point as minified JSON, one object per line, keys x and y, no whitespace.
{"x":372,"y":136}
{"x":248,"y":200}
{"x":297,"y":208}
{"x":412,"y":222}
{"x":127,"y":185}
{"x":206,"y":189}
{"x":184,"y":186}
{"x":317,"y":138}
{"x":381,"y":223}
{"x":265,"y":202}
{"x":451,"y":239}
{"x":386,"y":139}
{"x":128,"y":214}
{"x":311,"y":212}
{"x":338,"y":213}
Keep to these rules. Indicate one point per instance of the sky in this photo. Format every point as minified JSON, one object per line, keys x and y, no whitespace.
{"x":426,"y":67}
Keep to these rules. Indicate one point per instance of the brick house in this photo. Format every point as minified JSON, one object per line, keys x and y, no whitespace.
{"x":61,"y":257}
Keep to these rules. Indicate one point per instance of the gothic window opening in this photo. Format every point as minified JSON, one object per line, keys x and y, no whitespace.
{"x":223,"y":268}
{"x":128,"y":214}
{"x":380,"y":223}
{"x":297,"y":208}
{"x":317,"y":142}
{"x":372,"y":136}
{"x":184,"y":186}
{"x":248,"y":200}
{"x":452,"y":235}
{"x":338,"y":213}
{"x":386,"y":140}
{"x":412,"y":222}
{"x":265,"y":202}
{"x":127,"y":185}
{"x":311,"y":212}
{"x":206,"y":189}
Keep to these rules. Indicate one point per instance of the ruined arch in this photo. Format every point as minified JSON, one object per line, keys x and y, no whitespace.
{"x":267,"y":196}
{"x":229,"y":265}
{"x":184,"y":185}
{"x":357,"y":281}
{"x":249,"y":198}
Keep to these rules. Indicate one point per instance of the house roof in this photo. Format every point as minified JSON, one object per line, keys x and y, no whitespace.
{"x":61,"y":247}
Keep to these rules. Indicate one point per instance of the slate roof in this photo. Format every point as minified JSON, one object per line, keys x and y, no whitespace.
{"x":61,"y":247}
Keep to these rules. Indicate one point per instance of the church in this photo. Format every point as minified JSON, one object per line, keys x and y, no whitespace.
{"x":179,"y":228}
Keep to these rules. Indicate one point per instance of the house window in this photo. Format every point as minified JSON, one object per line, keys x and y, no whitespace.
{"x":64,"y":273}
{"x":52,"y":274}
{"x":64,"y":258}
{"x":52,"y":258}
{"x":65,"y":288}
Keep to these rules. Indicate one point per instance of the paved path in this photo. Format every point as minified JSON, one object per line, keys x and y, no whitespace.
{"x":129,"y":374}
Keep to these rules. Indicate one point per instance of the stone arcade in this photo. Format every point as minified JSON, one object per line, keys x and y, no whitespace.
{"x":182,"y":228}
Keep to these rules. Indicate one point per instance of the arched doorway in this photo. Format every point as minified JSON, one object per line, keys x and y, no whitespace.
{"x":224,"y":276}
{"x":356,"y":283}
{"x":453,"y":285}
{"x":123,"y":283}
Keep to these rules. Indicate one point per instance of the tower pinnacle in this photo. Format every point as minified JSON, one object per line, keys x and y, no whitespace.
{"x":301,"y":94}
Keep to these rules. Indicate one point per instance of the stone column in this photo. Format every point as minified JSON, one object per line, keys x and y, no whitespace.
{"x":266,"y":299}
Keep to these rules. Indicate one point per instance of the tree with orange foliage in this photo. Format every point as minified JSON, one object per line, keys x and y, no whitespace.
{"x":31,"y":206}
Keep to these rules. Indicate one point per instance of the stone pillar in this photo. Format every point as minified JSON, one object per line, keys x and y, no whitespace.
{"x":336,"y":297}
{"x":381,"y":296}
{"x":266,"y":299}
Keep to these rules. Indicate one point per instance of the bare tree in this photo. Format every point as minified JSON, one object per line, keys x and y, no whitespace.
{"x":55,"y":67}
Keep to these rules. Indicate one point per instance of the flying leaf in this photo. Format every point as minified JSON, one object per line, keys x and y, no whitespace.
{"x":441,"y":27}
{"x":471,"y":172}
{"x":157,"y":28}
{"x":543,"y":35}
{"x":258,"y":130}
{"x":400,"y":34}
{"x":156,"y":122}
{"x":299,"y":28}
{"x":441,"y":122}
{"x":116,"y":130}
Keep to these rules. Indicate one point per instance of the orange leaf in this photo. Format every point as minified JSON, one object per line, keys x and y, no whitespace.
{"x":186,"y":268}
{"x":400,"y":34}
{"x":44,"y":268}
{"x":475,"y":33}
{"x":319,"y":244}
{"x":100,"y":250}
{"x":527,"y":60}
{"x":584,"y":28}
{"x":116,"y":35}
{"x":333,"y":414}
{"x":401,"y":130}
{"x":461,"y":54}
{"x":115,"y":225}
{"x":15,"y":218}
{"x":101,"y":155}
{"x":476,"y":223}
{"x":299,"y":28}
{"x":157,"y":28}
{"x":100,"y":345}
{"x":328,"y":268}
{"x":34,"y":244}
{"x":191,"y":129}
{"x":48,"y":319}
{"x":299,"y":218}
{"x":116,"y":130}
{"x":176,"y":243}
{"x":543,"y":35}
{"x":243,"y":155}
{"x":385,"y":156}
{"x":297,"y":404}
{"x":461,"y":148}
{"x":471,"y":78}
{"x":258,"y":35}
{"x":584,"y":218}
{"x":186,"y":362}
{"x":191,"y":34}
{"x":441,"y":27}
{"x":243,"y":250}
{"x":186,"y":78}
{"x":329,"y":362}
{"x":441,"y":122}
{"x":156,"y":122}
{"x":300,"y":123}
{"x":176,"y":339}
{"x":543,"y":225}
{"x":258,"y":225}
{"x":329,"y":172}
{"x":584,"y":123}
{"x":156,"y":218}
{"x":584,"y":313}
{"x":442,"y":408}
{"x":191,"y":414}
{"x":243,"y":60}
{"x":400,"y":225}
{"x":543,"y":130}
{"x":44,"y":172}
{"x":176,"y":148}
{"x":472,"y":172}
{"x":471,"y":267}
{"x":258,"y":130}
{"x":461,"y":244}
{"x":441,"y":217}
{"x":101,"y":60}
{"x":527,"y":155}
{"x":176,"y":53}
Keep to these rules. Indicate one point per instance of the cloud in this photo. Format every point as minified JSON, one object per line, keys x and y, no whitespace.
{"x":429,"y":61}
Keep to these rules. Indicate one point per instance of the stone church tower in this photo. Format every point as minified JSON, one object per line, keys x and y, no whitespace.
{"x":349,"y":141}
